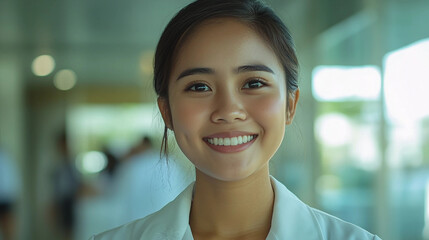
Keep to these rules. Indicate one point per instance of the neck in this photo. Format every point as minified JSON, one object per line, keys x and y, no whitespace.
{"x":232,"y":209}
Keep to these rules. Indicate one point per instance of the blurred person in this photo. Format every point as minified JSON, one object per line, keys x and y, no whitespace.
{"x":107,"y":176}
{"x":9,"y":190}
{"x":226,"y":77}
{"x":66,"y":187}
{"x":144,"y":183}
{"x":112,"y":162}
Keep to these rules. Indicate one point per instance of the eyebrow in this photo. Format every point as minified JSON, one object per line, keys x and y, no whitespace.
{"x":245,"y":68}
{"x":193,"y":71}
{"x":254,"y":68}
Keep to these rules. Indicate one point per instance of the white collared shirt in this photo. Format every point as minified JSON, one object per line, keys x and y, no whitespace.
{"x":292,"y":219}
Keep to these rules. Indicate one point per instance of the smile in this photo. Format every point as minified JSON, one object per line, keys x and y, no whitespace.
{"x":234,"y":141}
{"x":231,"y":142}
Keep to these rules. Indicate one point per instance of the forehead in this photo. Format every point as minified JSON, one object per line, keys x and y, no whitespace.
{"x":223,"y":41}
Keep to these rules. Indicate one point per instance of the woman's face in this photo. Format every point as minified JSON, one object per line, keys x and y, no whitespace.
{"x":227,"y":98}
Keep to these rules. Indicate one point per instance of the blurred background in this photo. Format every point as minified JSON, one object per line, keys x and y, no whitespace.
{"x":80,"y":132}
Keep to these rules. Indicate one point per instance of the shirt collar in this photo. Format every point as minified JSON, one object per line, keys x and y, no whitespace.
{"x":292,"y":219}
{"x":172,"y":221}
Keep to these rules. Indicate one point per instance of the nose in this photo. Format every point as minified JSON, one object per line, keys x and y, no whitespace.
{"x":229,"y":108}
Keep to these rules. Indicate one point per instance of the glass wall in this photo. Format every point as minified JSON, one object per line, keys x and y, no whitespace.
{"x":346,"y":128}
{"x":362,"y":122}
{"x":406,"y":87}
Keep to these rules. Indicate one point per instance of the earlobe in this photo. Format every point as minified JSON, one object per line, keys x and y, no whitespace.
{"x":164,"y":109}
{"x":292,"y":101}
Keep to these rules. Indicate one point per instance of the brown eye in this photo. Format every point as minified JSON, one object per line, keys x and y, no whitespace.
{"x":198,"y":87}
{"x":255,"y":83}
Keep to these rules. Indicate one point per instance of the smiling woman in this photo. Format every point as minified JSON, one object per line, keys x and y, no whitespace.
{"x":226,"y":79}
{"x":232,"y":98}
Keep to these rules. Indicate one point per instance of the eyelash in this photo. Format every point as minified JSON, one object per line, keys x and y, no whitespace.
{"x":255,"y":80}
{"x":192,"y":87}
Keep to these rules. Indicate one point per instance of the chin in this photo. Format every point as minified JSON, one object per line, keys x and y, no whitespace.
{"x":230,"y":176}
{"x":233,"y":178}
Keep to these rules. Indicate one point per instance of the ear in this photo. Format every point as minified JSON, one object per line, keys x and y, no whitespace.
{"x":292,"y":101}
{"x":164,"y":108}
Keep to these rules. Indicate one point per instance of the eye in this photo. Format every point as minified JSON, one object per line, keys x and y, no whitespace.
{"x":198,"y":87}
{"x":254,"y":83}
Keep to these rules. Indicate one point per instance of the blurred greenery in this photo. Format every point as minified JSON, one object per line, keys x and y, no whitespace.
{"x":351,"y":108}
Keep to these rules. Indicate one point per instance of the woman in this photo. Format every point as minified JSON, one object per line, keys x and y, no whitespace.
{"x":226,"y":79}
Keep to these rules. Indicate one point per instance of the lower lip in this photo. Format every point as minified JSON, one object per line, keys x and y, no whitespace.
{"x":231,"y":149}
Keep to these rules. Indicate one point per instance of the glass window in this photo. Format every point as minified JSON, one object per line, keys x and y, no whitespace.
{"x":406,"y":87}
{"x":346,"y":128}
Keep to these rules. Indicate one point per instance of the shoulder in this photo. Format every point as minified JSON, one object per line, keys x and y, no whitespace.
{"x":293,"y":219}
{"x":133,"y":230}
{"x":334,"y":228}
{"x":170,"y":222}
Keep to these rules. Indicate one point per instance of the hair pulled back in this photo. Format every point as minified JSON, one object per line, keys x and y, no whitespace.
{"x":254,"y":13}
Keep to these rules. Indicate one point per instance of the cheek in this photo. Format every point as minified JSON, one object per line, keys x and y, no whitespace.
{"x":271,"y":108}
{"x":186,"y":114}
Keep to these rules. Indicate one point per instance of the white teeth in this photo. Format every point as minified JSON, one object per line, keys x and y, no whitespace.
{"x":234,"y":141}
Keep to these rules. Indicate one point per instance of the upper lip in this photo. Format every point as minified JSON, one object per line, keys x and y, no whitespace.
{"x":230,"y":134}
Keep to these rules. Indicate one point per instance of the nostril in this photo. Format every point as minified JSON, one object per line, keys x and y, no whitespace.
{"x":228,"y":116}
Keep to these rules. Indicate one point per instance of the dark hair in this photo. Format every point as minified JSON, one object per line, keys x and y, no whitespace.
{"x":254,"y":13}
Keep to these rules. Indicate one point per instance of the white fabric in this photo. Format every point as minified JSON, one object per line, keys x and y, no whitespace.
{"x":292,"y":219}
{"x":142,"y":185}
{"x":145,"y":183}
